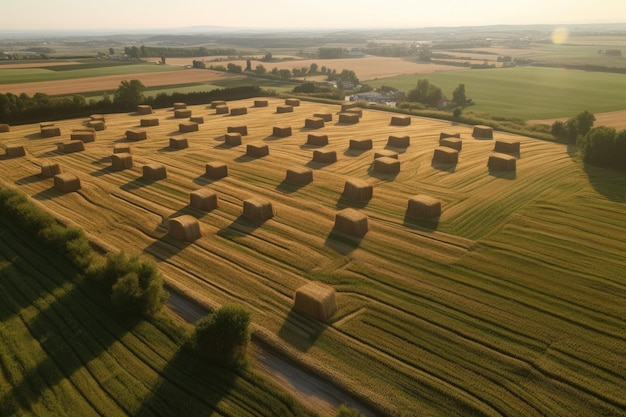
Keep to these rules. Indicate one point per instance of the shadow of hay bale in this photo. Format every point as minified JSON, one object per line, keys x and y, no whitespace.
{"x":300,"y":332}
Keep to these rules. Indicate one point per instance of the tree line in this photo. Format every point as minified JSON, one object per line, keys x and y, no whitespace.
{"x":168,"y":52}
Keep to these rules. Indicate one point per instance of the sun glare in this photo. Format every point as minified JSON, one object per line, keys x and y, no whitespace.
{"x":560,"y":35}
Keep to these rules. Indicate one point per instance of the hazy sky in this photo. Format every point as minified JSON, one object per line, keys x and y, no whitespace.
{"x":148,"y":14}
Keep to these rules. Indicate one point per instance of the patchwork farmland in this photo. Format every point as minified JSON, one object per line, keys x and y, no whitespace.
{"x":511,"y":302}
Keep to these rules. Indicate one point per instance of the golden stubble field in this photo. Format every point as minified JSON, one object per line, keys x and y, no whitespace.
{"x":510,"y":304}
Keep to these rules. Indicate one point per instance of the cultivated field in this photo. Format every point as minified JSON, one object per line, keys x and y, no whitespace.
{"x":615,"y":119}
{"x":511,"y":303}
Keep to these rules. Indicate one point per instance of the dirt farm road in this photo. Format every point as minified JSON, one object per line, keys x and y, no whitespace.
{"x":314,"y":393}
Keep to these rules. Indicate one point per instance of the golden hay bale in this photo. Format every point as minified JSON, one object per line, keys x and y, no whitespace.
{"x":356,"y":189}
{"x":257,"y":150}
{"x":121,"y":148}
{"x":83,"y":135}
{"x":185,"y":228}
{"x":50,"y":131}
{"x":327,"y":117}
{"x":355,"y":110}
{"x":66,"y":183}
{"x":203,"y":199}
{"x":232,"y":139}
{"x":153,"y":121}
{"x":121,"y":161}
{"x":221,"y":109}
{"x":444,"y":135}
{"x":386,"y":165}
{"x":144,"y":109}
{"x":348,"y":118}
{"x":97,"y":117}
{"x":294,"y":102}
{"x":351,"y":222}
{"x":400,"y":120}
{"x":507,"y":146}
{"x":216,"y":170}
{"x":217,"y":103}
{"x":243,"y":130}
{"x":133,"y":134}
{"x":180,"y":106}
{"x":188,"y":127}
{"x":73,"y":146}
{"x":182,"y":114}
{"x":281,"y":132}
{"x":197,"y":119}
{"x":261,"y":103}
{"x":4,"y":128}
{"x":154,"y":172}
{"x":258,"y":209}
{"x":349,"y":105}
{"x":423,"y":206}
{"x":179,"y":143}
{"x":398,"y":141}
{"x":50,"y":169}
{"x":284,"y":109}
{"x":316,"y":301}
{"x":325,"y":157}
{"x":386,"y":153}
{"x":501,"y":162}
{"x":46,"y":124}
{"x":314,"y":123}
{"x":96,"y":125}
{"x":445,"y":155}
{"x":482,"y":132}
{"x":317,"y":140}
{"x":15,"y":151}
{"x":450,"y":142}
{"x":360,"y":144}
{"x":299,"y":175}
{"x":238,"y":111}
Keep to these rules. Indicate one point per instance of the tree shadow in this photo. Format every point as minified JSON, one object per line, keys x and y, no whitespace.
{"x":426,"y":225}
{"x":609,"y":183}
{"x":299,"y":331}
{"x":342,"y":243}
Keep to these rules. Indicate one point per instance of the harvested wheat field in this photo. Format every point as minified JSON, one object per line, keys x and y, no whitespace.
{"x":511,"y":302}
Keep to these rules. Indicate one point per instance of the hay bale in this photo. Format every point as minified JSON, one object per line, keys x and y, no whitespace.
{"x":326,"y":117}
{"x":238,"y":111}
{"x":232,"y":139}
{"x":243,"y":130}
{"x":314,"y":123}
{"x":445,"y":155}
{"x":261,"y":103}
{"x":360,"y":144}
{"x":482,"y":132}
{"x":325,"y":157}
{"x":197,"y":119}
{"x":357,"y":190}
{"x":83,"y":135}
{"x":386,"y":153}
{"x":133,"y":134}
{"x":66,"y":183}
{"x":153,"y":121}
{"x":216,"y":170}
{"x":348,"y":118}
{"x":203,"y":199}
{"x":15,"y":151}
{"x":316,"y":301}
{"x":188,"y":127}
{"x":221,"y":109}
{"x":351,"y":222}
{"x":348,"y":106}
{"x":501,"y":162}
{"x":398,"y":141}
{"x":284,"y":109}
{"x":154,"y":172}
{"x":4,"y":128}
{"x":356,"y":110}
{"x":451,"y":142}
{"x":46,"y":124}
{"x":257,"y":150}
{"x":217,"y":103}
{"x":299,"y":176}
{"x":444,"y":135}
{"x":50,"y":131}
{"x":180,"y":106}
{"x":281,"y":132}
{"x":400,"y":120}
{"x":121,"y":148}
{"x":507,"y":146}
{"x":185,"y":228}
{"x":73,"y":146}
{"x":423,"y":207}
{"x":386,"y":165}
{"x":258,"y":209}
{"x":144,"y":109}
{"x":179,"y":143}
{"x":97,"y":118}
{"x":317,"y":140}
{"x":50,"y":169}
{"x":294,"y":102}
{"x":96,"y":125}
{"x":121,"y":161}
{"x":182,"y":114}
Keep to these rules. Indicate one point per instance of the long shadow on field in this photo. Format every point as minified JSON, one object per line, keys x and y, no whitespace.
{"x":289,"y":188}
{"x":393,"y":148}
{"x":166,"y":247}
{"x":344,"y":202}
{"x":428,"y":225}
{"x":204,"y":180}
{"x":610,"y":183}
{"x":507,"y":175}
{"x":48,"y":194}
{"x":29,"y":179}
{"x":450,"y":168}
{"x":301,"y":332}
{"x":240,"y":227}
{"x":135,"y":184}
{"x":342,"y":243}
